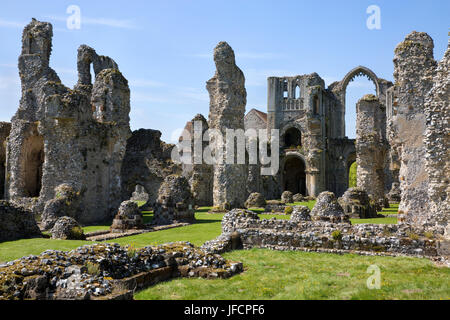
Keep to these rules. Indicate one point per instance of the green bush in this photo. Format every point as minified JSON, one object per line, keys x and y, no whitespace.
{"x":288,"y":210}
{"x":93,"y":268}
{"x":413,"y":236}
{"x":337,"y":235}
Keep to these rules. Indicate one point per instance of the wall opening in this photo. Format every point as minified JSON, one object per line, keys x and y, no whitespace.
{"x":297,"y":92}
{"x":140,"y":195}
{"x":316,"y":105}
{"x":294,"y":176}
{"x":355,"y":90}
{"x":352,"y":169}
{"x":292,"y":138}
{"x":33,"y":164}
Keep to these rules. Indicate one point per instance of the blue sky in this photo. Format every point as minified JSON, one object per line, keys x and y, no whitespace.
{"x":164,"y":48}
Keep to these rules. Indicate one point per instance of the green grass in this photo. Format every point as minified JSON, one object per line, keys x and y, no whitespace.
{"x":375,"y":221}
{"x":352,"y":175}
{"x":301,"y":275}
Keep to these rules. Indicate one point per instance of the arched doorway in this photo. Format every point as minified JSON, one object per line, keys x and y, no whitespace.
{"x":294,"y":176}
{"x":352,"y":171}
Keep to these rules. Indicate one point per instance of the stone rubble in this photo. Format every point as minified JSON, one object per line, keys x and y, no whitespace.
{"x":96,"y":270}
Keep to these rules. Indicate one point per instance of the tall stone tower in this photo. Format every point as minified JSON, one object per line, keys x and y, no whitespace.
{"x":228,"y":98}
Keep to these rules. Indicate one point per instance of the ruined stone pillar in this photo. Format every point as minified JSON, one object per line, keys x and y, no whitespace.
{"x":414,"y":68}
{"x":437,"y":145}
{"x":371,"y":146}
{"x":228,"y":98}
{"x":199,"y":173}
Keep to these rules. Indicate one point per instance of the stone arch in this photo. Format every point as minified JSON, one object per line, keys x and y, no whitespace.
{"x":349,"y":160}
{"x":359,"y":71}
{"x":293,"y":175}
{"x":340,"y":90}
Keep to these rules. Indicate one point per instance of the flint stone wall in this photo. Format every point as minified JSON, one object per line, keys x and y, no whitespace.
{"x":119,"y":269}
{"x":200,"y":175}
{"x":59,"y":135}
{"x":228,"y":98}
{"x":371,"y":146}
{"x":320,"y":236}
{"x":5,"y":128}
{"x":437,"y":145}
{"x":414,"y":69}
{"x":147,"y":162}
{"x":16,"y":223}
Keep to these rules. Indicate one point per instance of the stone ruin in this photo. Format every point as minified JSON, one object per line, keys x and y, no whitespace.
{"x":128,"y":217}
{"x":398,"y":128}
{"x":228,"y":98}
{"x":67,"y":136}
{"x":147,"y":162}
{"x":16,"y":223}
{"x":107,"y":271}
{"x":175,"y":202}
{"x":199,"y":173}
{"x":67,"y":228}
{"x":70,"y":152}
{"x":356,"y":204}
{"x":327,"y":208}
{"x":255,"y":200}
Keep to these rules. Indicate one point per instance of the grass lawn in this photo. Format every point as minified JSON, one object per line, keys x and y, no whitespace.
{"x":303,"y":275}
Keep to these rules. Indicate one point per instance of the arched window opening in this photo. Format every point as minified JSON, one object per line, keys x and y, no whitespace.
{"x":293,"y":138}
{"x":358,"y":87}
{"x":297,"y":92}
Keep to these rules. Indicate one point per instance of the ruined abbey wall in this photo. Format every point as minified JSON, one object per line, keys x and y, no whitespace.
{"x":63,"y":136}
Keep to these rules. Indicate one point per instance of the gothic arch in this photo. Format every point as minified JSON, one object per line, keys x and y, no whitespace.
{"x":359,"y":71}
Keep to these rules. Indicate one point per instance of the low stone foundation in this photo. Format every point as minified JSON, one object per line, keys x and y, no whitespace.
{"x":106,"y":271}
{"x":323,"y":236}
